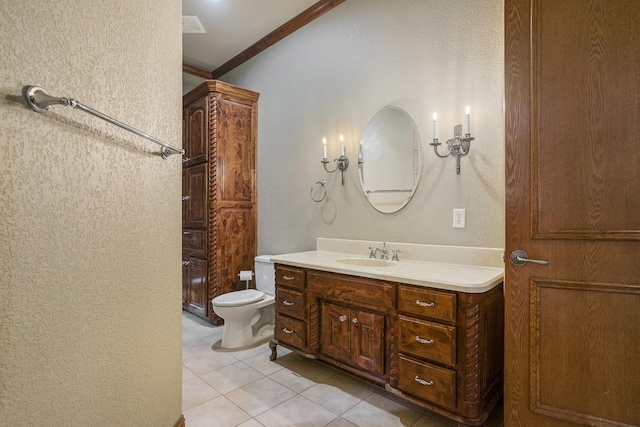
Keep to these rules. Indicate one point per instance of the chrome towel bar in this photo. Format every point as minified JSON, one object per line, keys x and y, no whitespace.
{"x":40,"y":101}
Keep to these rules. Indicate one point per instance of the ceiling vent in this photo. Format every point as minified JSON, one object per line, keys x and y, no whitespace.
{"x":191,"y":24}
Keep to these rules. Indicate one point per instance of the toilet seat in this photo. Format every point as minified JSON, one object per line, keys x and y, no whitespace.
{"x":237,"y":298}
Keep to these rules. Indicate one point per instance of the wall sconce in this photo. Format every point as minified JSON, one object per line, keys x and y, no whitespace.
{"x":457,"y":146}
{"x":342,"y":161}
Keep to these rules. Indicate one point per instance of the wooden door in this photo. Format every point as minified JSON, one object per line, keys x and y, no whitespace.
{"x":572,"y":114}
{"x":335,"y":332}
{"x":368,"y":341}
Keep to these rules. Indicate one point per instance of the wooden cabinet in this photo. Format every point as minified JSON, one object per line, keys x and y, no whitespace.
{"x":450,"y":351}
{"x":354,"y":337}
{"x":218,"y":189}
{"x":441,"y":350}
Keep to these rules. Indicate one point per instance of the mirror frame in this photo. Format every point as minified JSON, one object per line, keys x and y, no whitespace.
{"x":416,"y":142}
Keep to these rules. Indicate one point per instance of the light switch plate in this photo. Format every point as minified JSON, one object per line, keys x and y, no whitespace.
{"x":459,"y":220}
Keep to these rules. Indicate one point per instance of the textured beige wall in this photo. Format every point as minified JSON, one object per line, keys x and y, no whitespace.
{"x":333,"y":75}
{"x":90,"y":318}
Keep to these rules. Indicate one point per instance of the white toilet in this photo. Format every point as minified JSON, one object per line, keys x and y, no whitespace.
{"x":249,"y":315}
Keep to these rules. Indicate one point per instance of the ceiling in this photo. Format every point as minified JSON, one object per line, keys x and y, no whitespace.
{"x":231,"y":27}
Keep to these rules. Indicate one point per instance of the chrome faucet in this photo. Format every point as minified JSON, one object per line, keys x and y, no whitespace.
{"x":384,"y":254}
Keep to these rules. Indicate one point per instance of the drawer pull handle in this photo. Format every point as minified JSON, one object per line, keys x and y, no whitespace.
{"x":185,"y":198}
{"x":285,"y":302}
{"x":288,"y":331}
{"x":423,"y":341}
{"x":425,"y":304}
{"x":423,"y":382}
{"x":287,"y":277}
{"x":342,"y":318}
{"x":186,"y":233}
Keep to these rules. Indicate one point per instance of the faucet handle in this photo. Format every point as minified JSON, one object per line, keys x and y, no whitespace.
{"x":372,"y":254}
{"x":395,"y":254}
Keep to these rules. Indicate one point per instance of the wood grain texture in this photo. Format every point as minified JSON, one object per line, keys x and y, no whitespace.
{"x":583,"y":128}
{"x":571,"y":101}
{"x":313,"y":12}
{"x":369,"y":293}
{"x":427,"y":340}
{"x":199,"y":72}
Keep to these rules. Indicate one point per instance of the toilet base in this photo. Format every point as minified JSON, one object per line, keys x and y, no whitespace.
{"x":264,"y":335}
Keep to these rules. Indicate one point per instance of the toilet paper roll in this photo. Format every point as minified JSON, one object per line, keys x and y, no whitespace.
{"x":245,"y":275}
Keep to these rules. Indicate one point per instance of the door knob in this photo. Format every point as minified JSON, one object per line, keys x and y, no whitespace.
{"x":520,"y":258}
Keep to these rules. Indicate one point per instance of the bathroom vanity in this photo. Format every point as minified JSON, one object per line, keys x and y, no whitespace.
{"x":429,"y":331}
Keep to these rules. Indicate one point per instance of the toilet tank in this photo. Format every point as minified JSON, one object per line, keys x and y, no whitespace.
{"x":265,"y":274}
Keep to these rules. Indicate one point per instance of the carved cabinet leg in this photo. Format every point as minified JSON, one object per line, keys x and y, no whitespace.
{"x":274,"y":353}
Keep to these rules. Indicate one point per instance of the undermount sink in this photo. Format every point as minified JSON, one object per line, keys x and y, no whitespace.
{"x":367,"y":262}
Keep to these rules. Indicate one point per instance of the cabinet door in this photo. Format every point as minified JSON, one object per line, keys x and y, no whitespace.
{"x":336,"y":336}
{"x":195,"y":282}
{"x":196,"y":134}
{"x":185,"y":282}
{"x":195,"y":196}
{"x":368,"y":341}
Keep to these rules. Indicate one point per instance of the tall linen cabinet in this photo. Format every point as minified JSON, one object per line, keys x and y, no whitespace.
{"x":219,"y":218}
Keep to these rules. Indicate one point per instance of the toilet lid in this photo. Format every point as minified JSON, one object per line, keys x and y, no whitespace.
{"x":236,"y":298}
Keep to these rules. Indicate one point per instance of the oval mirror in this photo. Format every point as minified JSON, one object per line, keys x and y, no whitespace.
{"x":390,"y":159}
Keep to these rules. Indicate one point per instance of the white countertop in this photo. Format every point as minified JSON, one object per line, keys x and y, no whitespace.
{"x":441,"y":275}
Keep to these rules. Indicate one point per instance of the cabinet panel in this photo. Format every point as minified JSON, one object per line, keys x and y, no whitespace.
{"x":195,"y":196}
{"x":349,"y":289}
{"x":427,"y":303}
{"x":290,"y":331}
{"x":235,"y":149}
{"x":368,"y":343}
{"x":196,"y":134}
{"x":236,"y":234}
{"x":428,"y":382}
{"x":290,"y":303}
{"x":427,"y":340}
{"x":194,"y":243}
{"x":336,"y":332}
{"x":194,"y":285}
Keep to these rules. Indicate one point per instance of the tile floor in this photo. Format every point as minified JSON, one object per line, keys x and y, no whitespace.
{"x":246,"y":389}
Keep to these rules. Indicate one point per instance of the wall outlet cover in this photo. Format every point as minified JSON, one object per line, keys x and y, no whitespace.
{"x":459,"y":218}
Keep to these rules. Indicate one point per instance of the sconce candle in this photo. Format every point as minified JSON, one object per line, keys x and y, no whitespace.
{"x":467,"y":122}
{"x":341,"y":145}
{"x":435,"y":125}
{"x":324,"y":148}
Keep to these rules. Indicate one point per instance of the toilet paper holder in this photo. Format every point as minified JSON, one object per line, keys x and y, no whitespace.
{"x":246,"y":276}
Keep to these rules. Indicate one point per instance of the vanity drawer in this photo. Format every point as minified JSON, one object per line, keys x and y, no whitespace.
{"x":290,"y":303}
{"x":427,"y":340}
{"x":349,"y":289}
{"x":290,"y":331}
{"x":290,"y":276}
{"x":194,"y":243}
{"x":427,"y":302}
{"x":428,"y":382}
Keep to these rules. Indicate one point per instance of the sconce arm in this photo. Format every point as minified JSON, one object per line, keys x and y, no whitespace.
{"x":435,"y":144}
